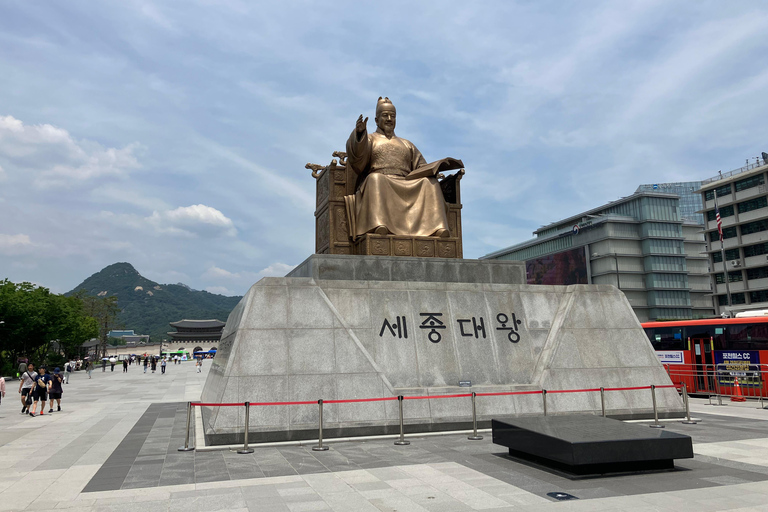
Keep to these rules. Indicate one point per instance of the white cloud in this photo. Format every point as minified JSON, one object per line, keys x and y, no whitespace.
{"x":245,"y":278}
{"x":220,"y":290}
{"x":54,"y":158}
{"x":15,"y":244}
{"x":195,"y":220}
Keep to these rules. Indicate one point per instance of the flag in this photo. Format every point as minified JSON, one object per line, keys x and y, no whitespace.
{"x":719,"y":222}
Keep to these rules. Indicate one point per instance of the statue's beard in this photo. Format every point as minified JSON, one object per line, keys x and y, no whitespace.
{"x":389,"y":130}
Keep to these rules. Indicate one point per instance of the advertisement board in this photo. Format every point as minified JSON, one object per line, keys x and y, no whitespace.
{"x":741,"y":364}
{"x":670,"y":356}
{"x":567,"y":267}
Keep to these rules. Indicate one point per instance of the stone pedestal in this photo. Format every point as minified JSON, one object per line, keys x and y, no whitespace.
{"x":367,"y":327}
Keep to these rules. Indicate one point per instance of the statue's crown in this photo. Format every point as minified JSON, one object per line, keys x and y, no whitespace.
{"x":381,"y":103}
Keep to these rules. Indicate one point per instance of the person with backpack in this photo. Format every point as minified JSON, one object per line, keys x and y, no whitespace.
{"x":67,"y":371}
{"x":54,"y":389}
{"x":25,"y":387}
{"x":40,"y":391}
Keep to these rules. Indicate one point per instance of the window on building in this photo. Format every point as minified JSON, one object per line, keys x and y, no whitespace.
{"x":725,"y":211}
{"x":723,"y":191}
{"x":758,"y":296}
{"x":752,"y":204}
{"x":736,"y":298}
{"x":657,"y":246}
{"x":728,"y":232}
{"x":730,"y":254}
{"x":733,"y":277}
{"x":660,"y":208}
{"x":661,"y":229}
{"x":746,"y":183}
{"x":757,"y":273}
{"x":755,"y":250}
{"x":664,"y":263}
{"x":669,"y":298}
{"x":754,"y":227}
{"x":666,"y":280}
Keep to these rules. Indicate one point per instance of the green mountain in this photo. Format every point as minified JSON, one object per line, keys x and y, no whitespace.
{"x":148,"y":307}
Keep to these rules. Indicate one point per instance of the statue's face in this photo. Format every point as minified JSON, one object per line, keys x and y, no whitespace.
{"x":386,"y":119}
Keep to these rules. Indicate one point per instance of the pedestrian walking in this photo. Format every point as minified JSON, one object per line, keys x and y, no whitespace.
{"x":154,"y":364}
{"x":54,"y":389}
{"x":68,"y":371}
{"x":22,"y":368}
{"x":2,"y":389}
{"x":103,"y":365}
{"x":112,"y":362}
{"x":162,"y":365}
{"x":125,"y":366}
{"x":89,"y":368}
{"x":25,"y":387}
{"x":146,"y":362}
{"x":199,"y":364}
{"x":40,"y":391}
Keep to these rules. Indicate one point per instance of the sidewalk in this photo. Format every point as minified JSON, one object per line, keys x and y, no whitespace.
{"x":113,"y":447}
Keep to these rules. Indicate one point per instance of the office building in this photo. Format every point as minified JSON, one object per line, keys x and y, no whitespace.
{"x":639,"y":243}
{"x":743,"y":202}
{"x":690,"y":198}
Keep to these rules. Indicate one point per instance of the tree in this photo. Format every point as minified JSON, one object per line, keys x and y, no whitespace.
{"x":105,"y":310}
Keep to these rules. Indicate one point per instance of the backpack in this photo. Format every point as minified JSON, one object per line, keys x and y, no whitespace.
{"x":68,"y":368}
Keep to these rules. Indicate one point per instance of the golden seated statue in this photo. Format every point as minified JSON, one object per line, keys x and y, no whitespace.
{"x":382,"y":198}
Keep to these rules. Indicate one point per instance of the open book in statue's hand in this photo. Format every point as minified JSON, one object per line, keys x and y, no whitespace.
{"x":431,"y":169}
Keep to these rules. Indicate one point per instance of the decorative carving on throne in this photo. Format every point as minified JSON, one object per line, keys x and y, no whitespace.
{"x":336,"y":182}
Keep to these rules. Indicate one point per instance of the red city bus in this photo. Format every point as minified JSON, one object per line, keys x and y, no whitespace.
{"x":709,"y":355}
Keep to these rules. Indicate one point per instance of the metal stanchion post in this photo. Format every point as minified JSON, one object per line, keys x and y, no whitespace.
{"x":245,"y":448}
{"x":320,"y":447}
{"x":602,"y":400}
{"x":474,"y":436}
{"x":401,"y":441}
{"x":656,"y":423}
{"x":544,"y":400}
{"x":186,"y":447}
{"x":717,"y":388}
{"x":688,"y":420}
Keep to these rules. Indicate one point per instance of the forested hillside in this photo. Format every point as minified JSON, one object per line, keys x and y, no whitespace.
{"x":148,"y":307}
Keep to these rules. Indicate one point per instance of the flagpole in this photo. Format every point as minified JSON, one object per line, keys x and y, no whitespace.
{"x":725,"y":267}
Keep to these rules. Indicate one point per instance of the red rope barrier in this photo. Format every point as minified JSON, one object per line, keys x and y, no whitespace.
{"x":201,"y":404}
{"x":573,"y":391}
{"x":352,"y":400}
{"x":505,"y":393}
{"x":429,"y":397}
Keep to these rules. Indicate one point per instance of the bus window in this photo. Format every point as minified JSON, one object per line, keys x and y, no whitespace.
{"x":666,"y":338}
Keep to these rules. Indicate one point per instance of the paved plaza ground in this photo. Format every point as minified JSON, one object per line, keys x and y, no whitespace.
{"x":114,"y":447}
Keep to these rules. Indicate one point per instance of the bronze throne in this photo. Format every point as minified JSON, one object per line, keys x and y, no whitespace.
{"x":332,"y":235}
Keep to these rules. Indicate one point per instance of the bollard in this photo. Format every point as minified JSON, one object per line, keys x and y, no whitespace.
{"x":688,"y":420}
{"x":717,"y":390}
{"x":245,"y":448}
{"x":602,"y":400}
{"x":320,"y":447}
{"x":474,"y":436}
{"x":401,"y":441}
{"x":656,"y":423}
{"x":544,"y":400}
{"x":186,"y":447}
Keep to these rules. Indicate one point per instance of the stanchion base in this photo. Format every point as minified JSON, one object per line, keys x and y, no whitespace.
{"x":689,"y":422}
{"x":187,"y":449}
{"x":475,"y":438}
{"x":319,"y":448}
{"x":402,"y":443}
{"x":245,"y":451}
{"x":656,"y":425}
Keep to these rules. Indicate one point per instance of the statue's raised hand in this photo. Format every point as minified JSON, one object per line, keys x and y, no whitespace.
{"x":361,"y":124}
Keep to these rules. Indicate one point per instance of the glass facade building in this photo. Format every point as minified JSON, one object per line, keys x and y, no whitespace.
{"x":742,"y":198}
{"x":690,"y":197}
{"x":640,"y":243}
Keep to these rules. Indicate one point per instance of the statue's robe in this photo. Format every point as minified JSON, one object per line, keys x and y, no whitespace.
{"x":384,"y":197}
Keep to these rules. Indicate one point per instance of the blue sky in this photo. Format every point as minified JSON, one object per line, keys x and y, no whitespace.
{"x":173,"y":135}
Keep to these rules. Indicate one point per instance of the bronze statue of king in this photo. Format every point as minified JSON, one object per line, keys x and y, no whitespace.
{"x":397,"y":192}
